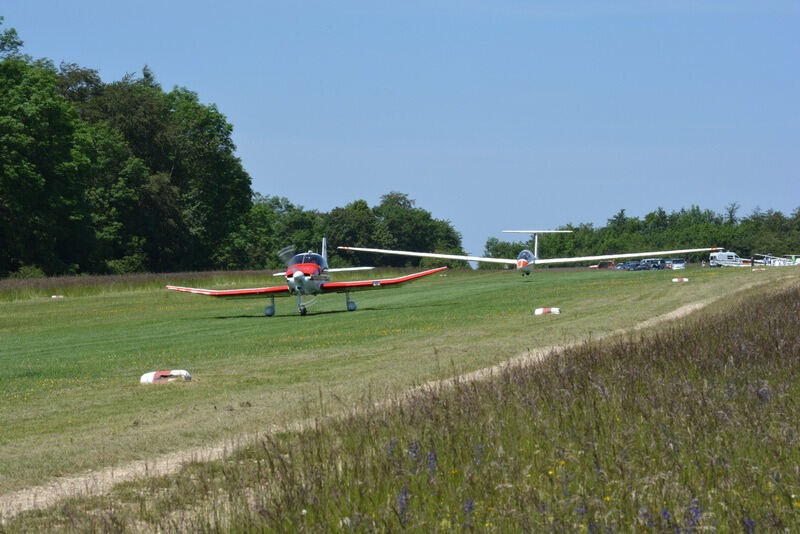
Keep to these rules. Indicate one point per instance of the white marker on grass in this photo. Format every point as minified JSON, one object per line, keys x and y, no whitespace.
{"x":160,"y":377}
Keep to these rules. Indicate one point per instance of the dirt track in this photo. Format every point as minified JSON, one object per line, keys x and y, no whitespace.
{"x":101,"y":481}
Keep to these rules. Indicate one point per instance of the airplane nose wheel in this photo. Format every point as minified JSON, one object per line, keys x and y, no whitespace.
{"x":303,"y":310}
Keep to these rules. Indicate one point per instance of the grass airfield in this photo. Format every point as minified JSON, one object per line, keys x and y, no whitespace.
{"x":69,"y":369}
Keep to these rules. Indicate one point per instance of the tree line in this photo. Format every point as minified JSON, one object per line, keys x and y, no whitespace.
{"x":761,"y":232}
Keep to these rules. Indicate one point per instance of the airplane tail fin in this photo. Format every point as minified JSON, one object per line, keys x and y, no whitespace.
{"x":325,"y":250}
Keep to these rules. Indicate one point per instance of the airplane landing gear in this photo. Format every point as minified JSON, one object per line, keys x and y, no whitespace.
{"x":351,"y":304}
{"x":300,"y":306}
{"x":269,"y":311}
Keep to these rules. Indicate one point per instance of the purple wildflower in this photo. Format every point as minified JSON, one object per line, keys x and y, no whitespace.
{"x":402,"y":506}
{"x":693,"y":514}
{"x":431,"y":461}
{"x":469,"y":506}
{"x":413,"y":449}
{"x":645,"y":515}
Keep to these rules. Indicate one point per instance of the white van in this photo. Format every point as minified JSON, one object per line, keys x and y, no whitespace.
{"x":726,"y":259}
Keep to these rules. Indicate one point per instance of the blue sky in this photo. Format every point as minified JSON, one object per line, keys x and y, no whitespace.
{"x":494,"y":115}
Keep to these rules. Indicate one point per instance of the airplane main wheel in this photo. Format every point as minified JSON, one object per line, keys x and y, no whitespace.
{"x":351,"y":306}
{"x":303,"y":310}
{"x":269,"y":311}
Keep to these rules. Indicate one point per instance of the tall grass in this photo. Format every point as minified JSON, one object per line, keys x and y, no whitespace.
{"x":12,"y":289}
{"x":693,"y":428}
{"x":23,"y":288}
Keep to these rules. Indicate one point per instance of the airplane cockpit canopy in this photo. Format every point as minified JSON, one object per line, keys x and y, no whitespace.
{"x":526,"y":255}
{"x":309,"y":257}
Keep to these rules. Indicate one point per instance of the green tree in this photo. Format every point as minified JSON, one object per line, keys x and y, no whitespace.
{"x":412,"y":228}
{"x":44,"y":218}
{"x":254,"y":244}
{"x":496,"y":248}
{"x":197,"y":192}
{"x":354,"y":225}
{"x":10,"y":42}
{"x":78,"y":84}
{"x":114,"y":182}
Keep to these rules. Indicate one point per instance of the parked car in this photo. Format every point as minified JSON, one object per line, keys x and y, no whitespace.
{"x":652,"y":264}
{"x":631,"y":265}
{"x":678,"y":263}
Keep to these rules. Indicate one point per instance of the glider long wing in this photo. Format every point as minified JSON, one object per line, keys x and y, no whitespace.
{"x":542,"y":261}
{"x":431,"y":255}
{"x":627,"y":255}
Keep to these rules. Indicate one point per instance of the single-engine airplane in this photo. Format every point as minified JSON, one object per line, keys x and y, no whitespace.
{"x":526,"y":259}
{"x":307,"y":274}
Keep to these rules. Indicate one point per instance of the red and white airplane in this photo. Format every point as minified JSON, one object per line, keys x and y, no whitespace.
{"x":307,"y":274}
{"x":526,"y":259}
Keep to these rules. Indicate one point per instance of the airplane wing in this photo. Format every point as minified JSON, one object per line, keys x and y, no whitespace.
{"x":431,"y":255}
{"x":234,"y":293}
{"x":510,"y":261}
{"x":626,"y":255}
{"x":360,"y":285}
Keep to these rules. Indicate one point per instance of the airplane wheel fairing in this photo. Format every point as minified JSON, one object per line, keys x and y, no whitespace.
{"x":303,"y":310}
{"x":351,"y":306}
{"x":269,"y":311}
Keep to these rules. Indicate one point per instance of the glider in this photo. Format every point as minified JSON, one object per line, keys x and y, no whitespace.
{"x":526,"y":259}
{"x":778,"y":261}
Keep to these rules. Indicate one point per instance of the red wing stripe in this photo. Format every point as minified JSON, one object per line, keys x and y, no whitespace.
{"x":231,"y":292}
{"x":382,"y":282}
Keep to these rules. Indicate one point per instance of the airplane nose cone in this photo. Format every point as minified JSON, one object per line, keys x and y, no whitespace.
{"x":298,"y":276}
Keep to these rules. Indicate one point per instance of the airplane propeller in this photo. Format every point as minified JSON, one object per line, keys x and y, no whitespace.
{"x":286,"y":254}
